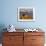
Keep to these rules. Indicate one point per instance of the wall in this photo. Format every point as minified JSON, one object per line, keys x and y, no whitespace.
{"x":9,"y":13}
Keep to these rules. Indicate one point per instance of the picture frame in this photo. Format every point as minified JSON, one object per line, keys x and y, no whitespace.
{"x":26,"y":14}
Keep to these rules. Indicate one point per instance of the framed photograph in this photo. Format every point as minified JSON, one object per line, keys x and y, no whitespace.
{"x":26,"y":14}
